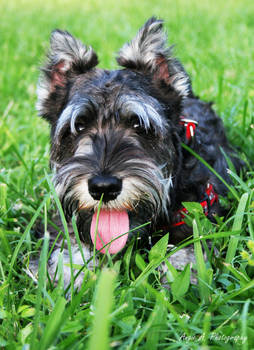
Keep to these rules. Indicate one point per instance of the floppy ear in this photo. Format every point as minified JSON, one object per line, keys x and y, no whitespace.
{"x":148,"y":52}
{"x":67,"y":58}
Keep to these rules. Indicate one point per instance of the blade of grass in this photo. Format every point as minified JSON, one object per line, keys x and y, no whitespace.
{"x":54,"y":324}
{"x":245,"y":109}
{"x":250,"y":217}
{"x":132,"y":230}
{"x":164,"y":300}
{"x":230,"y":296}
{"x":237,"y":178}
{"x":152,"y":330}
{"x":228,"y":160}
{"x":3,"y":197}
{"x":237,"y":225}
{"x":41,"y":282}
{"x":96,"y":231}
{"x":232,"y":316}
{"x":103,"y":303}
{"x":181,"y":282}
{"x":201,"y":268}
{"x":154,"y":264}
{"x":75,"y":229}
{"x":127,"y":260}
{"x":230,"y":188}
{"x":61,"y":314}
{"x":206,"y":328}
{"x":98,"y":252}
{"x":24,"y":236}
{"x":243,"y":279}
{"x":244,"y":319}
{"x":5,"y":243}
{"x":65,"y":226}
{"x":59,"y":289}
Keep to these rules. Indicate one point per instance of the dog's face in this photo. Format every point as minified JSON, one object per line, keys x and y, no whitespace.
{"x":113,"y":133}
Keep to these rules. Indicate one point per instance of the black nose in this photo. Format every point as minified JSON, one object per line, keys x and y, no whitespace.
{"x":109,"y":186}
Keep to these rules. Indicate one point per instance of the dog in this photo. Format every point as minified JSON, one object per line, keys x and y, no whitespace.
{"x":117,"y":143}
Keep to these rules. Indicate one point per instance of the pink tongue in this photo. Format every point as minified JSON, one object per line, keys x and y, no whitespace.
{"x":112,"y":223}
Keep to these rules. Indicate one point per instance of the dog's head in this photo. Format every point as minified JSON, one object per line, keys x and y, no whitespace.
{"x":113,"y":133}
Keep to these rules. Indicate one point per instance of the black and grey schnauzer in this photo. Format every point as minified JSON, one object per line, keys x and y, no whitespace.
{"x":119,"y":134}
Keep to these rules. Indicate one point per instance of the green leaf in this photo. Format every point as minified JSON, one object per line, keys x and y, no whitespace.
{"x":140,"y":262}
{"x":26,"y":311}
{"x":181,"y":283}
{"x":171,"y":273}
{"x":242,"y":279}
{"x":3,"y":342}
{"x":159,"y":250}
{"x":193,"y":207}
{"x":25,"y":332}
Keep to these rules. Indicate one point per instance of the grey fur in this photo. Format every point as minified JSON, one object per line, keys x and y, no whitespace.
{"x":149,"y":45}
{"x":68,"y":50}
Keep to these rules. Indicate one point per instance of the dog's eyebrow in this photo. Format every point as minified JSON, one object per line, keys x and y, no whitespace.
{"x":71,"y":112}
{"x":149,"y":113}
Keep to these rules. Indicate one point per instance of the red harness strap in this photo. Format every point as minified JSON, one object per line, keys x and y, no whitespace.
{"x":210,"y":198}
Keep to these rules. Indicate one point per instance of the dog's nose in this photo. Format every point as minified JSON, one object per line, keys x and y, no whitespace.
{"x":109,"y":186}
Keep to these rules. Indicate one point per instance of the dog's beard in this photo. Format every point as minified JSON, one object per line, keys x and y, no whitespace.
{"x":143,"y":183}
{"x":144,"y":195}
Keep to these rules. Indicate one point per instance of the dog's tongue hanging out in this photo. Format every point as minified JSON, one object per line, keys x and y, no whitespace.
{"x":112,"y":223}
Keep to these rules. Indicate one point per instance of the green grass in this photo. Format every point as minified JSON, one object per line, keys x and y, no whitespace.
{"x":125,"y":305}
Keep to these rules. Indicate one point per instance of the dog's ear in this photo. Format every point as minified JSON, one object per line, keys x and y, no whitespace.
{"x":67,"y":58}
{"x":148,"y":52}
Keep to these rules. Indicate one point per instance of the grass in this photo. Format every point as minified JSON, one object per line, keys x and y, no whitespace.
{"x":125,"y":305}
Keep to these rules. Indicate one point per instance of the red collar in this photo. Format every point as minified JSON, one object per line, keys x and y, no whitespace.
{"x":210,"y":197}
{"x":190,"y":127}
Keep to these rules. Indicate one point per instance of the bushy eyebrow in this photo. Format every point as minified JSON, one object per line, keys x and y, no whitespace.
{"x":72,"y":111}
{"x":149,"y":113}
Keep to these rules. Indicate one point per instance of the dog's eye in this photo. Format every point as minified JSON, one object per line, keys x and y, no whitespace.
{"x":136,"y":126}
{"x":83,"y":122}
{"x":134,"y":123}
{"x":80,"y":127}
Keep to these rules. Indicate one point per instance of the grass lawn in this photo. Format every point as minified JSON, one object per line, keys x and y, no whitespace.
{"x":125,"y":306}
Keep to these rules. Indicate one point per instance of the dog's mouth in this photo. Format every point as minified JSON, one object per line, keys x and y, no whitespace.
{"x":112,"y":230}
